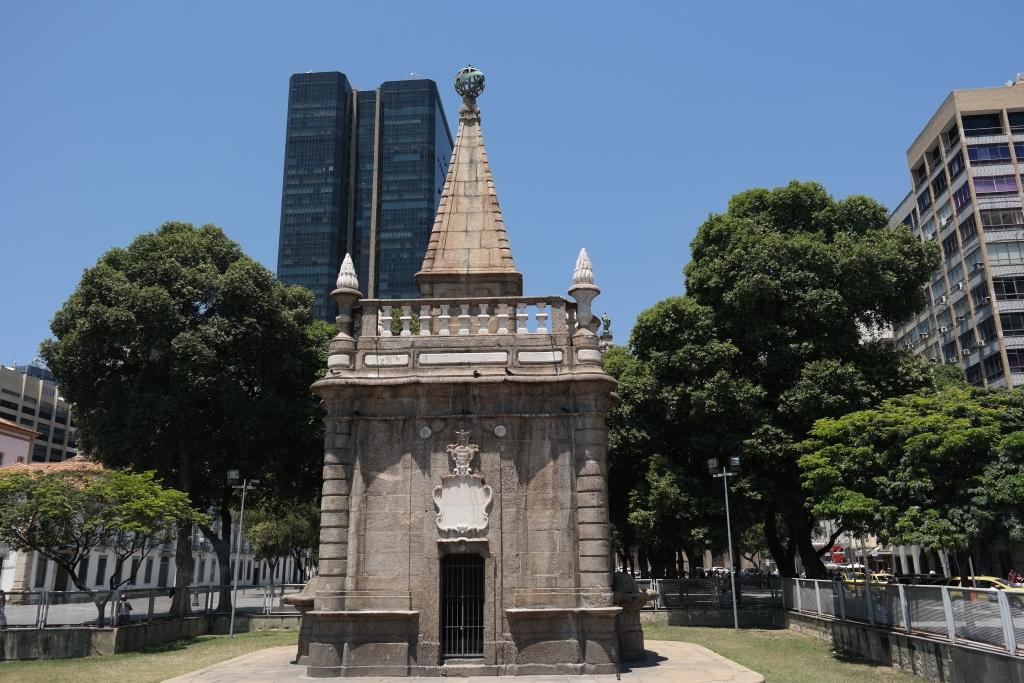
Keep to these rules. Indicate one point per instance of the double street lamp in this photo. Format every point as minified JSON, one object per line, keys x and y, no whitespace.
{"x":723,"y":472}
{"x":245,"y":485}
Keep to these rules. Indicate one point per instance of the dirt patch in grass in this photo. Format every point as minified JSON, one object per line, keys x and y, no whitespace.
{"x":154,"y":664}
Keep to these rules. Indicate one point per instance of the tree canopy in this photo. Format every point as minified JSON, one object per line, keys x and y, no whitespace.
{"x":767,"y":341}
{"x":940,"y":469}
{"x":65,"y":514}
{"x":276,"y":530}
{"x":184,"y":356}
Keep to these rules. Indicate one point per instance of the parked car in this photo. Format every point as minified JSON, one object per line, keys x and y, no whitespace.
{"x":1014,"y":593}
{"x":855,"y":580}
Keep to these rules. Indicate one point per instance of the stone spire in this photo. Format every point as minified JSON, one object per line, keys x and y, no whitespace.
{"x":468,"y":253}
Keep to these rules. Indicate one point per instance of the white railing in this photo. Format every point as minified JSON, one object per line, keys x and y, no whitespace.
{"x":462,"y":317}
{"x":967,"y":616}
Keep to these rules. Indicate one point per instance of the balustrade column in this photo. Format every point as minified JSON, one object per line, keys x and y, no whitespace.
{"x":483,"y":320}
{"x":521,"y":318}
{"x":385,"y":321}
{"x":464,"y":320}
{"x":444,"y":322}
{"x":425,"y":321}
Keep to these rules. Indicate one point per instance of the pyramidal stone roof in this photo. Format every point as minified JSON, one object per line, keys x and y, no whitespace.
{"x":468,"y":253}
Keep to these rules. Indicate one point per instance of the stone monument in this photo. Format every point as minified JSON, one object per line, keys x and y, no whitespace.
{"x":465,"y":508}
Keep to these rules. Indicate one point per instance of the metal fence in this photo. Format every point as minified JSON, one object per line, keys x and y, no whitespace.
{"x":48,"y":609}
{"x":969,"y":616}
{"x":715,"y":592}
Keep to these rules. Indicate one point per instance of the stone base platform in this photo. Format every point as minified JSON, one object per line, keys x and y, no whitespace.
{"x":666,"y":662}
{"x":540,"y":641}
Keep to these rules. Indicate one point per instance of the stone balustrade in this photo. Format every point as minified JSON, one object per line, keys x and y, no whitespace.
{"x":511,"y":332}
{"x":466,"y":317}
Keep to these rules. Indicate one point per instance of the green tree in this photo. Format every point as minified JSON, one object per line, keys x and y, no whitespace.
{"x":65,"y":514}
{"x":941,"y":469}
{"x":679,"y":406}
{"x":277,"y":530}
{"x":789,"y":276}
{"x":184,"y":356}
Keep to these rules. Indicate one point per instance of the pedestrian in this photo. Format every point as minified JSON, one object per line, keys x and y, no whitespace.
{"x":3,"y":605}
{"x":124,"y":611}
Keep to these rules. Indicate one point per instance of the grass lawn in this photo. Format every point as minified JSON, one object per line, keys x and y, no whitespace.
{"x":781,"y":656}
{"x":154,"y":664}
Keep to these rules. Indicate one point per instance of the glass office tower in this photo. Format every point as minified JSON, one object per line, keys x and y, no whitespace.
{"x":314,"y":221}
{"x":363,"y":175}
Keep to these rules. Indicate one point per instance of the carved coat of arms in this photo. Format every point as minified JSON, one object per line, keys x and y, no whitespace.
{"x":462,"y":499}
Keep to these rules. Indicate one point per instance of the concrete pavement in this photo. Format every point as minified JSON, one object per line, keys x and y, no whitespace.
{"x":667,"y":662}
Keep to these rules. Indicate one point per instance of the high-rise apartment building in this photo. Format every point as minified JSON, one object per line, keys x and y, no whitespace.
{"x":966,"y":171}
{"x":363,"y":174}
{"x":29,"y":396}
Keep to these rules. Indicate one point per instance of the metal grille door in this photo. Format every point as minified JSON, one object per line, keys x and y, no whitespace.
{"x":462,"y":606}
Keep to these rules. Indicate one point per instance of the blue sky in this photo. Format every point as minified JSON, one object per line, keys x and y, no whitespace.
{"x":615,"y":126}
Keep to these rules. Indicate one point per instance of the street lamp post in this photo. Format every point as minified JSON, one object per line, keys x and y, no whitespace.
{"x":723,"y":473}
{"x":245,"y":485}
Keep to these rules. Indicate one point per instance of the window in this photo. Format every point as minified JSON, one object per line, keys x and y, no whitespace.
{"x":987,"y":330}
{"x":924,"y":200}
{"x":1008,"y":288}
{"x":1018,"y":149}
{"x":39,"y":452}
{"x":949,"y":352}
{"x":967,"y":340}
{"x":952,"y":136}
{"x":973,"y":374}
{"x":920,"y":175}
{"x":935,"y":158}
{"x":962,"y":196}
{"x":968,"y":230}
{"x":1016,"y":358}
{"x":974,"y":260}
{"x":996,"y":184}
{"x":134,"y":576}
{"x":1013,"y":323}
{"x":956,"y":165}
{"x":1016,"y":121}
{"x":949,"y":246}
{"x":10,"y":405}
{"x":983,"y":155}
{"x":980,"y":295}
{"x":41,"y":564}
{"x":101,"y":571}
{"x":939,"y":185}
{"x":982,"y":124}
{"x":28,"y":411}
{"x":993,"y":366}
{"x":149,"y":571}
{"x":956,"y":274}
{"x":46,"y":410}
{"x":1006,"y":253}
{"x":1002,"y":219}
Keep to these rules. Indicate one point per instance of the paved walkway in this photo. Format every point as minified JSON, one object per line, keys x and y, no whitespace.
{"x":667,"y":662}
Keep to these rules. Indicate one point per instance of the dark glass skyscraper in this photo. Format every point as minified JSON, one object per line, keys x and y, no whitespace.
{"x":363,"y":174}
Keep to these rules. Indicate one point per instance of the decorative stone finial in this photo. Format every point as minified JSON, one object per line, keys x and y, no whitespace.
{"x":469,"y":83}
{"x":347,"y":275}
{"x":583,"y":274}
{"x":584,"y":290}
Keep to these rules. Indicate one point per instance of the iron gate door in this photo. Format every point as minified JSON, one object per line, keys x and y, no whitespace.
{"x":462,"y":606}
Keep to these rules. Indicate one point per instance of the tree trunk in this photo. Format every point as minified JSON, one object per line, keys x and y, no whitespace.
{"x":641,"y":553}
{"x":691,"y":558}
{"x":783,"y":556}
{"x":964,"y":565}
{"x":222,"y":548}
{"x":184,"y":566}
{"x":800,"y":530}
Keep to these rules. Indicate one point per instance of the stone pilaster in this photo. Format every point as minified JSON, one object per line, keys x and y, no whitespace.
{"x":334,"y":512}
{"x":595,"y":571}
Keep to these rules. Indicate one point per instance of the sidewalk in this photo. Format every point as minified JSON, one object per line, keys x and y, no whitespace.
{"x":667,"y":662}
